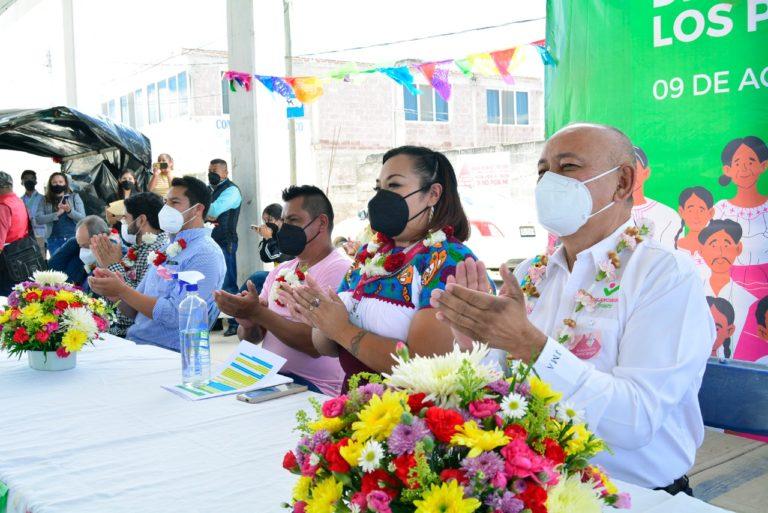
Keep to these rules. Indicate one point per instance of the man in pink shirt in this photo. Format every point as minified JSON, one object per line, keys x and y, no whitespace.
{"x":305,"y":234}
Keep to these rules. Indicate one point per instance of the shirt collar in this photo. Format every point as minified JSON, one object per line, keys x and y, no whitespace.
{"x":598,"y":252}
{"x":190,"y":234}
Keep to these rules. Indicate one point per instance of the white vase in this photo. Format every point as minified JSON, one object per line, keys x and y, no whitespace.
{"x":50,"y":361}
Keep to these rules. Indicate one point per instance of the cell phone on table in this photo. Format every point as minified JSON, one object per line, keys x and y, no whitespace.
{"x":269,"y":393}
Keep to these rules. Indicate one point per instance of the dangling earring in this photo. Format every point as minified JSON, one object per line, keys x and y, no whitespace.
{"x":431,"y":214}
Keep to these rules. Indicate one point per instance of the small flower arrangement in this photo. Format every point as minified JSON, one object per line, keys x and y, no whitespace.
{"x":158,"y":258}
{"x":448,"y":433}
{"x":48,"y":314}
{"x":291,"y":277}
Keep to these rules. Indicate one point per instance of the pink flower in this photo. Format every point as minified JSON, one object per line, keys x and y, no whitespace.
{"x":499,"y":481}
{"x":537,"y":273}
{"x":358,"y":499}
{"x":378,"y":501}
{"x":629,"y":240}
{"x":521,"y":461}
{"x":334,"y":407}
{"x":101,"y":324}
{"x":586,"y":300}
{"x":608,"y":268}
{"x":57,"y":311}
{"x":624,"y":501}
{"x":61,"y":352}
{"x":483,"y":408}
{"x":51,"y":327}
{"x":299,"y":506}
{"x":308,"y":470}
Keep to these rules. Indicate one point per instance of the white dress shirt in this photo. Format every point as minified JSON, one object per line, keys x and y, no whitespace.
{"x":663,"y":221}
{"x":639,"y":392}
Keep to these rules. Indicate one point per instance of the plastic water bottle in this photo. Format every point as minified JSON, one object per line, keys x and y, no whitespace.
{"x":193,"y":338}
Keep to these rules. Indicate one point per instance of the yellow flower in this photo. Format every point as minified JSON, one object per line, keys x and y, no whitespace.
{"x":65,"y":295}
{"x":47,"y":318}
{"x":32,"y":312}
{"x":578,"y":441}
{"x":73,"y":340}
{"x":446,"y":498}
{"x":332,"y":424}
{"x":5,"y":316}
{"x":351,"y":452}
{"x":380,"y":416}
{"x":301,"y":489}
{"x":570,"y":495}
{"x":325,"y":496}
{"x":478,"y":440}
{"x":541,"y":390}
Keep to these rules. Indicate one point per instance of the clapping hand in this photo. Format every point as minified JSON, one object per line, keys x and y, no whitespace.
{"x":107,"y":283}
{"x":244,"y":307}
{"x":105,"y":250}
{"x":323,"y":310}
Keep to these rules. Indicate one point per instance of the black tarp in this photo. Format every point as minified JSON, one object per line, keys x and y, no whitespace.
{"x":93,"y":151}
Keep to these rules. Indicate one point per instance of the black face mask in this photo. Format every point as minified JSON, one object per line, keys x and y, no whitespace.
{"x":58,"y":189}
{"x":388,"y":212}
{"x":127,"y":185}
{"x":214,"y":179}
{"x":292,"y":239}
{"x":30,"y":185}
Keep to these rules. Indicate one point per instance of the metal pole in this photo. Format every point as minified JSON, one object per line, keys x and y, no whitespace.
{"x":70,"y":69}
{"x":289,"y":72}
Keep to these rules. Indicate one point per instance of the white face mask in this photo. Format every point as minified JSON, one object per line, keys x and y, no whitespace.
{"x":129,"y":238}
{"x":171,"y":220}
{"x":86,"y":256}
{"x":564,"y":204}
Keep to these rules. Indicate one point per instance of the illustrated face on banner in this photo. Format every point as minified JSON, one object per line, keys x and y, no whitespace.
{"x":695,"y":213}
{"x":745,"y":168}
{"x":720,"y":251}
{"x":723,"y":328}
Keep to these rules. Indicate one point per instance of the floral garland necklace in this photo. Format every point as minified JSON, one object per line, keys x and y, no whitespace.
{"x":158,"y":258}
{"x":378,"y":258}
{"x":291,"y":277}
{"x":131,"y":256}
{"x":584,"y":300}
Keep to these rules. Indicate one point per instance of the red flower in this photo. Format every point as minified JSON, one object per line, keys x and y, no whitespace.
{"x":534,"y":497}
{"x":182,"y":243}
{"x":61,"y":352}
{"x":32,"y":296}
{"x":379,"y":480}
{"x":403,"y":465}
{"x":454,"y":473}
{"x":363,"y":256}
{"x":76,"y":304}
{"x":114,"y":231}
{"x":15,"y":313}
{"x":20,"y":335}
{"x":416,"y":402}
{"x":553,"y":451}
{"x":394,"y":262}
{"x":334,"y":407}
{"x":46,"y":294}
{"x":289,"y":461}
{"x":61,"y":305}
{"x":132,"y":255}
{"x":443,"y":423}
{"x":160,"y":258}
{"x":42,"y":336}
{"x":516,"y":431}
{"x":332,"y":455}
{"x":300,"y":275}
{"x":448,"y":230}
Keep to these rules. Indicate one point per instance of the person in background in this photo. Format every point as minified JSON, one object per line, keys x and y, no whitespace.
{"x":14,"y":224}
{"x":126,"y":185}
{"x":154,"y":304}
{"x":86,"y":228}
{"x":140,"y":229}
{"x":32,"y":199}
{"x":224,"y":213}
{"x":305,"y":234}
{"x":162,"y":175}
{"x":661,"y":220}
{"x":269,"y":252}
{"x":60,"y":212}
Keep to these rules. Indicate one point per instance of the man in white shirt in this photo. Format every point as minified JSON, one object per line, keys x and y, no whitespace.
{"x":720,"y":247}
{"x":662,"y":220}
{"x":634,"y":356}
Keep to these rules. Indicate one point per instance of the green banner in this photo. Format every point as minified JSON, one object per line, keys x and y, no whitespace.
{"x":688,"y":82}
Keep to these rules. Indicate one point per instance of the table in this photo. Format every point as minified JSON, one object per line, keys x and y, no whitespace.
{"x":105,"y":437}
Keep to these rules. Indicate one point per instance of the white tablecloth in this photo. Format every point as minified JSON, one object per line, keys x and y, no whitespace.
{"x":106,"y":438}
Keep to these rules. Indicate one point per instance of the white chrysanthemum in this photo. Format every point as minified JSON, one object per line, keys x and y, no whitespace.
{"x":49,"y":277}
{"x":514,"y":406}
{"x":438,"y":376}
{"x":151,"y":257}
{"x":435,"y":238}
{"x":567,"y":412}
{"x":570,"y":495}
{"x":174,"y":250}
{"x":370,"y":458}
{"x":149,"y":238}
{"x":80,"y":319}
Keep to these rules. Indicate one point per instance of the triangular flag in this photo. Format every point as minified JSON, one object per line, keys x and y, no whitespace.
{"x":437,"y":75}
{"x":546,"y":57}
{"x":242,"y":79}
{"x":464,"y":66}
{"x":502,"y":59}
{"x":307,"y":89}
{"x":482,"y":64}
{"x":402,"y":75}
{"x":276,"y":85}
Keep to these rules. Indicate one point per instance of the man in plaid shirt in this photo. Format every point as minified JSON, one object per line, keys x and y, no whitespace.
{"x":141,"y":229}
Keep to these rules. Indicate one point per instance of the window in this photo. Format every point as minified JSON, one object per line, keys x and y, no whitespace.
{"x":112,"y":110}
{"x":183,"y":86}
{"x":428,"y":106}
{"x":105,"y":109}
{"x":162,"y":99}
{"x":173,"y":98}
{"x":125,"y":114}
{"x":139,"y":107}
{"x":507,"y":107}
{"x":224,"y":96}
{"x":152,"y":103}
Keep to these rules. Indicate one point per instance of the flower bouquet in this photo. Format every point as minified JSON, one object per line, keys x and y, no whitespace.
{"x":448,"y":434}
{"x":51,"y":320}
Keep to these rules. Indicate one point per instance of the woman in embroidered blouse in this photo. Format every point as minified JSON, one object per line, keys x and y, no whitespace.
{"x":384,"y":297}
{"x":140,"y":227}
